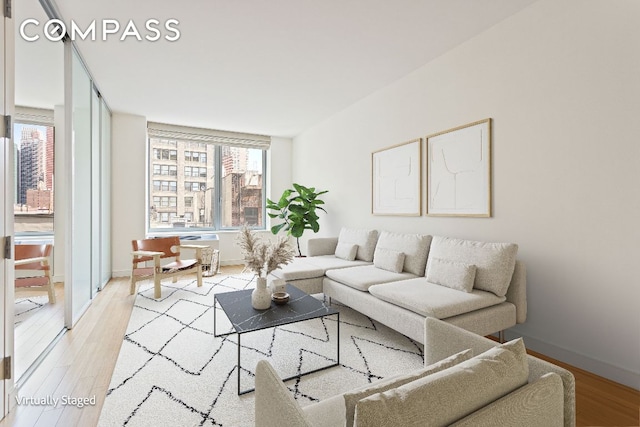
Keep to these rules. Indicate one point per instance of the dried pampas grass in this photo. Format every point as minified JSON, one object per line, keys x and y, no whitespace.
{"x":260,"y":257}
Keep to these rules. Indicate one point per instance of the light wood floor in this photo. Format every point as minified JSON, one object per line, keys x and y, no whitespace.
{"x":82,"y":362}
{"x":37,"y":331}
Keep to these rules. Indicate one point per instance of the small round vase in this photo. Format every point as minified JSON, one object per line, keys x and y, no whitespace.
{"x":261,"y":297}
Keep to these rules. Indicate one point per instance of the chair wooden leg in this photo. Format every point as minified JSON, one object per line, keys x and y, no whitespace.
{"x":132,"y":283}
{"x":157,"y":292}
{"x":199,"y":274}
{"x":50,"y":288}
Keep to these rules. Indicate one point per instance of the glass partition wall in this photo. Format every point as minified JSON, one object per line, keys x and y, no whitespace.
{"x":36,"y":200}
{"x":62,"y":151}
{"x":87,"y":179}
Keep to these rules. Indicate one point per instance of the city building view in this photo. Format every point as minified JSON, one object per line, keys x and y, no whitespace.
{"x":183,"y":179}
{"x":33,"y":178}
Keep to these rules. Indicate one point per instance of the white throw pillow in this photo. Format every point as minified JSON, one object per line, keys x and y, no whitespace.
{"x":389,"y":260}
{"x":346,"y":251}
{"x":452,"y":274}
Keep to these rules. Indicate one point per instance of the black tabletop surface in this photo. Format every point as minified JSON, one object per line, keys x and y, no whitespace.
{"x":245,"y":318}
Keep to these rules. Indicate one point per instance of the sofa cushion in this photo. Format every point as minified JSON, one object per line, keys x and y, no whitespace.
{"x":346,"y":251}
{"x":449,"y":395}
{"x":414,"y":246}
{"x":331,"y":262}
{"x":452,"y":274}
{"x":298,"y":269}
{"x":389,"y":260}
{"x":363,"y":277}
{"x":431,"y":300}
{"x":365,"y":239}
{"x":494,"y":261}
{"x":351,"y":398}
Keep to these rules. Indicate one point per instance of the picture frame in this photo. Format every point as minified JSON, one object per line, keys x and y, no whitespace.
{"x":396,"y":179}
{"x":459,"y":171}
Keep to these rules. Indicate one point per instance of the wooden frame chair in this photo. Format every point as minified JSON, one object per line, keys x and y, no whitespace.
{"x":157,"y":249}
{"x":35,"y":258}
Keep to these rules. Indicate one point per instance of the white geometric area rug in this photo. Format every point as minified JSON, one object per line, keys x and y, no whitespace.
{"x":27,"y":307}
{"x":172,"y":371}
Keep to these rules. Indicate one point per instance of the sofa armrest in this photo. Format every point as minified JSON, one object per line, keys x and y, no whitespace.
{"x":274,"y":404}
{"x":443,"y":340}
{"x":539,"y":403}
{"x":322,"y":246}
{"x":517,"y":291}
{"x":538,"y":368}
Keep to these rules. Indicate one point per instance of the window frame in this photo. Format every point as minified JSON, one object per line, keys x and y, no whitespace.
{"x":27,"y":116}
{"x":199,"y":164}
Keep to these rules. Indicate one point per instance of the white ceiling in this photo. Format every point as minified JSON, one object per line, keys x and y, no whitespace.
{"x":272,"y":67}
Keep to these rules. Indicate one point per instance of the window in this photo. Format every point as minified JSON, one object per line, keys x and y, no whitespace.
{"x":251,"y":216}
{"x":33,"y":153}
{"x":219,"y":182}
{"x":195,"y":171}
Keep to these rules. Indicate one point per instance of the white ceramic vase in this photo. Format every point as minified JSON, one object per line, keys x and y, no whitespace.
{"x":261,"y":297}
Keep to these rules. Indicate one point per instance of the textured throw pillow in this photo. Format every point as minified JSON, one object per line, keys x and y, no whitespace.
{"x":452,"y":274}
{"x":352,"y":398}
{"x":365,"y":239}
{"x":346,"y":251}
{"x":494,"y":262}
{"x":388,"y":259}
{"x":446,"y":396}
{"x":415,"y":248}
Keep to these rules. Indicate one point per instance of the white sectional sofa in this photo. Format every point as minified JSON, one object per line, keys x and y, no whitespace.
{"x":399,"y":279}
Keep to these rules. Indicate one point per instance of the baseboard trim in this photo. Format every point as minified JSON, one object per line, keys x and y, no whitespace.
{"x":120,"y":273}
{"x":598,"y":367}
{"x":232,"y":262}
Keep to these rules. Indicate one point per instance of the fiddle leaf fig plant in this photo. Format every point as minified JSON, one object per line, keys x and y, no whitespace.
{"x":297,"y":209}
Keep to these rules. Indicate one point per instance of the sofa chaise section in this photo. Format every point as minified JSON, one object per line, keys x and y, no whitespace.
{"x":307,"y":273}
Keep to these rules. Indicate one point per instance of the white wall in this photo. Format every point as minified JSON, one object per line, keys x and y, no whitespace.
{"x":561,"y":82}
{"x":128,"y":178}
{"x":129,"y":139}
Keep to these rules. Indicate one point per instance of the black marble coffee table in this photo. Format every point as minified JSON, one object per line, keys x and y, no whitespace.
{"x":244,"y":318}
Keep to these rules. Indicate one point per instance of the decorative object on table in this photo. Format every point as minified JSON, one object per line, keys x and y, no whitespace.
{"x":396,"y":179}
{"x":277,"y":285}
{"x":297,"y":208}
{"x":459,"y":171}
{"x":262,"y":258}
{"x":280,"y":298}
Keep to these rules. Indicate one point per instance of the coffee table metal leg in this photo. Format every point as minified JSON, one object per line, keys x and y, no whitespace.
{"x":239,"y":393}
{"x":338,"y":338}
{"x":214,"y":316}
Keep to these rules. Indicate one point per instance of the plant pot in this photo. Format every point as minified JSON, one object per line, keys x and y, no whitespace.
{"x":261,"y":297}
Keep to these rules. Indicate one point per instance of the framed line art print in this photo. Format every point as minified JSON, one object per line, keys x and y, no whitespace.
{"x":396,"y":175}
{"x":459,"y":171}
